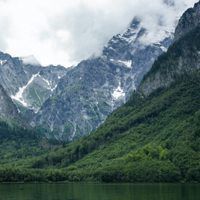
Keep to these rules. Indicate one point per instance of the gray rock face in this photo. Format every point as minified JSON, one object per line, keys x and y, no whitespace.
{"x":13,"y":75}
{"x":7,"y":108}
{"x":89,"y":92}
{"x":189,"y":20}
{"x":40,"y":87}
{"x":133,"y":49}
{"x":69,"y":103}
{"x":29,"y":85}
{"x":182,"y":58}
{"x":84,"y":98}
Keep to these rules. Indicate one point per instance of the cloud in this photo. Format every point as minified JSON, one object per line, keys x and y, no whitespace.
{"x":65,"y":32}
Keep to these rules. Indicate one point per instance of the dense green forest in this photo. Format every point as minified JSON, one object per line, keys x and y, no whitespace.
{"x":21,"y":143}
{"x":156,"y":139}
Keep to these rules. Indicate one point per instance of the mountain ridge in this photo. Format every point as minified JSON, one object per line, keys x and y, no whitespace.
{"x":151,"y":138}
{"x":182,"y":57}
{"x":103,"y":83}
{"x":69,"y":103}
{"x":154,"y":137}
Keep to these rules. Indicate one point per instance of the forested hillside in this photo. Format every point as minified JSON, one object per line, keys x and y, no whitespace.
{"x":154,"y":137}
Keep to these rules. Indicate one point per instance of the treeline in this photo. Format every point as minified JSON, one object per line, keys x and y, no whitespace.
{"x":30,"y":175}
{"x":156,"y":139}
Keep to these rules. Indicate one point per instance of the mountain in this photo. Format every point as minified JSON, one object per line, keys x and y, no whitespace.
{"x":17,"y":139}
{"x":136,"y":49}
{"x":27,"y":82}
{"x":30,"y":60}
{"x":69,"y":103}
{"x":89,"y":92}
{"x":182,"y":58}
{"x":13,"y":74}
{"x":8,"y":111}
{"x":188,"y":21}
{"x":154,"y":137}
{"x":148,"y":140}
{"x":39,"y":87}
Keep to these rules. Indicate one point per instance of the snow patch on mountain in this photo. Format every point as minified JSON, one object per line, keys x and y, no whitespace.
{"x":52,"y":89}
{"x":155,"y":37}
{"x":19,"y":95}
{"x":2,"y":62}
{"x":127,"y":63}
{"x":49,"y":84}
{"x":118,"y":93}
{"x":131,"y":34}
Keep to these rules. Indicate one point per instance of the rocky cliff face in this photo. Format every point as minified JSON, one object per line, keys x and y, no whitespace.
{"x":8,"y":111}
{"x":84,"y":97}
{"x":29,"y":85}
{"x":189,"y":20}
{"x":39,"y":87}
{"x":13,"y":74}
{"x":89,"y":92}
{"x":136,"y":49}
{"x":183,"y":56}
{"x":72,"y":102}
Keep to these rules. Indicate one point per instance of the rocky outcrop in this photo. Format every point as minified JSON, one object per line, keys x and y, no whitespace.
{"x":182,"y":58}
{"x":84,"y":98}
{"x":189,"y":20}
{"x":8,"y":111}
{"x":133,"y":48}
{"x":29,"y":85}
{"x":89,"y":92}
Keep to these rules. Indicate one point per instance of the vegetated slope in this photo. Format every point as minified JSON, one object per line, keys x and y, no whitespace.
{"x":19,"y":145}
{"x":17,"y":142}
{"x":155,"y":139}
{"x":17,"y":139}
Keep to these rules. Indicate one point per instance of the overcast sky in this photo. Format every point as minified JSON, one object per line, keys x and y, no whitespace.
{"x":67,"y":31}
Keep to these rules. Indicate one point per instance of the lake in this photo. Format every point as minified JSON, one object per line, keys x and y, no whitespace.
{"x":93,"y":191}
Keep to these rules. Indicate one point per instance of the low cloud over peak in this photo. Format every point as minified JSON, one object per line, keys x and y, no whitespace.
{"x":65,"y":32}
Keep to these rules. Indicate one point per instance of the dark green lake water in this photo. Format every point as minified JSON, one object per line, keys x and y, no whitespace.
{"x":90,"y":191}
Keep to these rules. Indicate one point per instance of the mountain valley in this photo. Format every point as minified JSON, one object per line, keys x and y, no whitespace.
{"x":130,"y":115}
